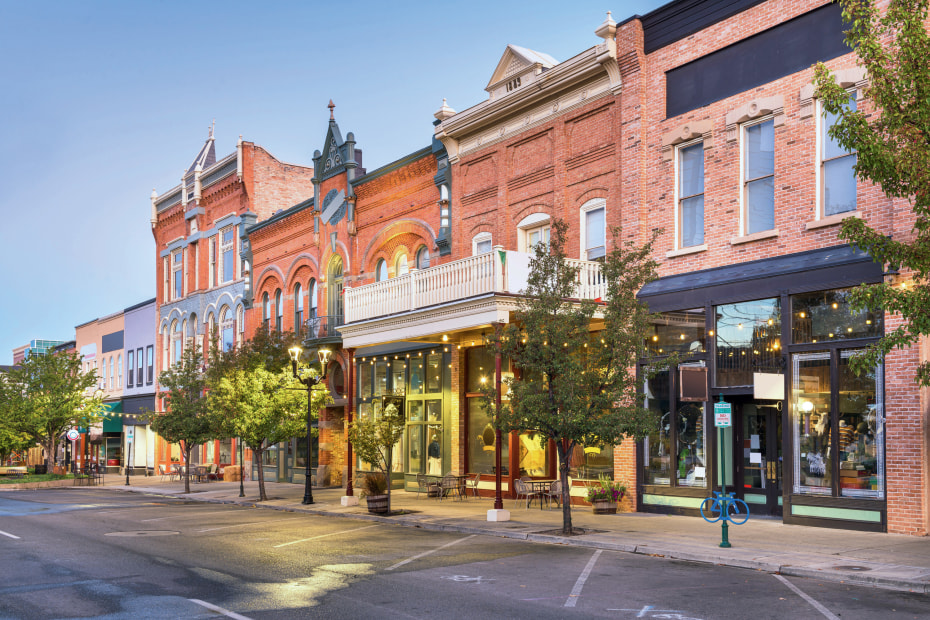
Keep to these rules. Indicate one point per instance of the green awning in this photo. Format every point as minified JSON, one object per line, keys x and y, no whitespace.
{"x":113,"y":423}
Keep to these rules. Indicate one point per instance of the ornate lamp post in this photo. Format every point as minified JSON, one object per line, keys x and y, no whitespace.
{"x":310,"y":381}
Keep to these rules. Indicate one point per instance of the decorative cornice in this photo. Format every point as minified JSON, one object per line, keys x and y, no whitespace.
{"x":685,"y":133}
{"x":846,"y":78}
{"x":763,"y":106}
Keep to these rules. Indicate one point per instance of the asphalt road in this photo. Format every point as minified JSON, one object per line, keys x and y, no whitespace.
{"x":96,"y":553}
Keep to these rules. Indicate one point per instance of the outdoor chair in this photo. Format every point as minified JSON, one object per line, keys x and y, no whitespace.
{"x":422,"y":485}
{"x":555,"y":493}
{"x":523,"y":491}
{"x":449,"y":487}
{"x":212,"y":473}
{"x":472,"y":483}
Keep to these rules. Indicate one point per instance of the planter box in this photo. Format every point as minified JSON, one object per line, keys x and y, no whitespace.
{"x":604,"y":507}
{"x":377,"y":504}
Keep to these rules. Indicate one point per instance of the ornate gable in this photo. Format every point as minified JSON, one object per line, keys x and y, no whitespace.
{"x":517,"y":67}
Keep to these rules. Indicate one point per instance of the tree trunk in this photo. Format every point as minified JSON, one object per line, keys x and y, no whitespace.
{"x":49,"y":450}
{"x":187,"y":467}
{"x":565,"y":455}
{"x":261,"y":470}
{"x":388,"y":477}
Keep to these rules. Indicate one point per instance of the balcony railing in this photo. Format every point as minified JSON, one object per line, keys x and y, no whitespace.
{"x":320,"y":327}
{"x":498,"y":271}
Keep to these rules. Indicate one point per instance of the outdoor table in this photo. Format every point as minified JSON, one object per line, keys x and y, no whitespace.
{"x":540,"y":487}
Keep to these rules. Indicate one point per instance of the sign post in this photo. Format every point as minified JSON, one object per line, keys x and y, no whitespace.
{"x":723,"y":418}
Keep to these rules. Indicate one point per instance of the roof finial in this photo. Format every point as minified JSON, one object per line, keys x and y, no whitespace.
{"x":212,"y":127}
{"x":331,"y":107}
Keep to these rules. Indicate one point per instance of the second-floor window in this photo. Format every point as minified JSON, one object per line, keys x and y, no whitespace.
{"x":837,"y":174}
{"x":228,"y":253}
{"x":266,"y":311}
{"x":177,"y":262}
{"x":150,"y":364}
{"x":423,"y":258}
{"x":211,"y":274}
{"x":119,"y":371}
{"x":311,"y":298}
{"x":139,"y":367}
{"x":112,"y":374}
{"x":278,"y":310}
{"x":594,"y":229}
{"x":381,"y":272}
{"x":691,"y":195}
{"x":400,"y":266}
{"x":759,"y":176}
{"x":298,"y":309}
{"x":481,"y":243}
{"x":130,"y":366}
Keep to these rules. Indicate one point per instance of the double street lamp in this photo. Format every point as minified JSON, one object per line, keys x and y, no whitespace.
{"x":310,"y":381}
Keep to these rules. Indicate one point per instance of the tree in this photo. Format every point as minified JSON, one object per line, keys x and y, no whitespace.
{"x":12,"y":441}
{"x":892,"y":141}
{"x":374,"y":439}
{"x":575,"y":386}
{"x":45,"y":396}
{"x":262,"y":408}
{"x":187,"y":418}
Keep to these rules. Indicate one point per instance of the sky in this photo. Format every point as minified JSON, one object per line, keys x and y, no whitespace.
{"x":100,"y":102}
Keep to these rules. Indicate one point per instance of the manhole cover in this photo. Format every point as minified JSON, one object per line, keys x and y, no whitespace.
{"x":856,"y":568}
{"x":142,"y":533}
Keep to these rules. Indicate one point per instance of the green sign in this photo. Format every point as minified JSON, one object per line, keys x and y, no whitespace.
{"x":723,"y":414}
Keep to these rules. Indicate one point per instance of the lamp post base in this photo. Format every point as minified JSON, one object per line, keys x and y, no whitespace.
{"x":499,"y":514}
{"x":349,"y":500}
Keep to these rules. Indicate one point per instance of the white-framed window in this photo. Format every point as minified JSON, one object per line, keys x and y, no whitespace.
{"x":532,"y":230}
{"x":381,"y":270}
{"x":176,"y":342}
{"x":177,"y":274}
{"x":758,"y":176}
{"x":400,"y":266}
{"x":836,"y":174}
{"x":227,"y":254}
{"x":311,"y":298}
{"x":211,"y":329}
{"x":422,"y":260}
{"x":166,"y":272}
{"x":139,"y":367}
{"x":165,"y":348}
{"x":112,"y":374}
{"x":191,"y":332}
{"x":119,"y":371}
{"x":298,"y":309}
{"x":240,"y":325}
{"x":130,"y":367}
{"x":266,"y":311}
{"x":211,"y":272}
{"x":481,"y":243}
{"x":228,"y":329}
{"x":104,"y":384}
{"x":593,"y":229}
{"x":278,"y":310}
{"x":689,"y":194}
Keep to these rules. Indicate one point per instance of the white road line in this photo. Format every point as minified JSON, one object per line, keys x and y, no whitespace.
{"x":226,"y":527}
{"x":219,"y":610}
{"x":576,"y":591}
{"x":190,"y":516}
{"x":8,"y":534}
{"x":426,"y":553}
{"x":294,"y":542}
{"x":814,"y":604}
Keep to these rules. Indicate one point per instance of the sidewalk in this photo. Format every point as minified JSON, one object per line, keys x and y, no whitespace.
{"x":885,"y":560}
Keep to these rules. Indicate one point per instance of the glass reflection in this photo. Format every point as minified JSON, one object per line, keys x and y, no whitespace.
{"x":658,"y":443}
{"x":748,"y":337}
{"x":813,"y":462}
{"x":481,"y":441}
{"x":861,"y":432}
{"x":677,"y":332}
{"x":826,"y":316}
{"x":691,"y":468}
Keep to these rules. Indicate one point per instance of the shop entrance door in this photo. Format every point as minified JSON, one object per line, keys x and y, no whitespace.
{"x":759,"y":455}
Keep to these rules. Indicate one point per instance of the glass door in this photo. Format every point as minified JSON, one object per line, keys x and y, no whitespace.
{"x":759,"y":456}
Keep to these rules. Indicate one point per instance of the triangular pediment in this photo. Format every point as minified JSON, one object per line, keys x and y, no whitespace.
{"x":518,"y":61}
{"x":333,"y":151}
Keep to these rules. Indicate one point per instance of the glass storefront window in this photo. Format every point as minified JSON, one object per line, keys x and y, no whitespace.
{"x":434,"y":410}
{"x":480,"y":369}
{"x":415,"y":449}
{"x":300,"y":459}
{"x":811,"y":390}
{"x":861,"y":432}
{"x":677,"y":332}
{"x":211,"y":451}
{"x":415,"y":411}
{"x":364,"y":381}
{"x":591,"y":462}
{"x":381,"y":369}
{"x":826,"y":316}
{"x":481,"y":441}
{"x":398,"y":376}
{"x":691,"y":466}
{"x":748,"y":339}
{"x":364,"y":411}
{"x":434,"y":373}
{"x":270,"y":456}
{"x":434,"y":450}
{"x":534,"y":457}
{"x":416,"y":375}
{"x":658,"y":444}
{"x":225,"y":451}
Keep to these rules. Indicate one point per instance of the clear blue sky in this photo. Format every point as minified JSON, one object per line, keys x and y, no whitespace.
{"x":102,"y":101}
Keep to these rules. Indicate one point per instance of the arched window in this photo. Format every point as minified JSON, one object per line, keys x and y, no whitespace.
{"x":334,"y":290}
{"x":111,"y":373}
{"x":593,"y":229}
{"x":400,"y":266}
{"x":165,"y":347}
{"x":211,"y":329}
{"x":381,"y":273}
{"x":312,"y":298}
{"x":240,"y":325}
{"x":190,"y":335}
{"x":481,"y":243}
{"x":422,"y":258}
{"x":278,"y":310}
{"x":298,"y":309}
{"x":532,"y":231}
{"x":176,"y":343}
{"x":119,"y":371}
{"x":226,"y":327}
{"x":266,"y":311}
{"x":104,"y":373}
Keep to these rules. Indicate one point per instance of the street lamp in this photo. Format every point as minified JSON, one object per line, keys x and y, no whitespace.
{"x":310,"y":381}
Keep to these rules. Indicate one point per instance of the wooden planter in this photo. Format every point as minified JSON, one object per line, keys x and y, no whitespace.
{"x":604,"y":507}
{"x":377,"y":504}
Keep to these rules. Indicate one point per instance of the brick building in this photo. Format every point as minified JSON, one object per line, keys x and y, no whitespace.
{"x":198,"y":227}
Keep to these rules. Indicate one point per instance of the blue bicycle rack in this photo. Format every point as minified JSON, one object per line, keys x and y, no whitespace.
{"x":727,"y":508}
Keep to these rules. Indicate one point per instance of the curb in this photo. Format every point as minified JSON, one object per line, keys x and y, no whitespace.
{"x":854,"y":578}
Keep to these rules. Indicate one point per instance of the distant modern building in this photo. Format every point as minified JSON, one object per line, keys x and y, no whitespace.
{"x":35,"y":347}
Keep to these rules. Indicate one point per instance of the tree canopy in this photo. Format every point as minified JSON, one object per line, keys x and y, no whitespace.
{"x":891,"y":136}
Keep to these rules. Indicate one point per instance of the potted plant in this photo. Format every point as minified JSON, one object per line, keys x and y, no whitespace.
{"x":374,"y":490}
{"x":374,"y":439}
{"x":605,"y":495}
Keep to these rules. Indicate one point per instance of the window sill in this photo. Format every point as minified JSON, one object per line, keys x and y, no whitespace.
{"x":765,"y":234}
{"x":831,"y":220}
{"x":685,"y":251}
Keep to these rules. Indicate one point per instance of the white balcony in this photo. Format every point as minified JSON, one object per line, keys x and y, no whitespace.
{"x":498,"y":271}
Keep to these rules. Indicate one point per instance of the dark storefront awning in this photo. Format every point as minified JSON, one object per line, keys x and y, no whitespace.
{"x":113,"y":423}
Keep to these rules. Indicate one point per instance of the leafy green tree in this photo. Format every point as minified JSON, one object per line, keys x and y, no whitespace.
{"x":263,"y":408}
{"x":45,"y":396}
{"x":12,"y":441}
{"x":891,"y":136}
{"x":374,"y":440}
{"x":187,"y":419}
{"x":576,"y":386}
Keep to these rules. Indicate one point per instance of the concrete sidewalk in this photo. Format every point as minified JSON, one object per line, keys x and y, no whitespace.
{"x":885,"y":560}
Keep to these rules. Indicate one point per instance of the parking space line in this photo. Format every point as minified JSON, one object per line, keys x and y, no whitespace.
{"x":294,"y":542}
{"x":813,"y":603}
{"x":576,"y":591}
{"x":226,"y":527}
{"x":10,"y":535}
{"x":219,"y":610}
{"x":189,"y":516}
{"x":426,"y":553}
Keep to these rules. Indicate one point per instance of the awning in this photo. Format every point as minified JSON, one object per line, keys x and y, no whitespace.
{"x":113,"y":423}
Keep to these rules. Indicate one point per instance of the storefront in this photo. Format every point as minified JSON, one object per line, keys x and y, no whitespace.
{"x":774,"y":338}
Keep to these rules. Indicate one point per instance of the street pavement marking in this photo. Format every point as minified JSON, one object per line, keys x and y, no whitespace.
{"x":426,"y":553}
{"x":219,"y":610}
{"x":186,"y":516}
{"x":294,"y":542}
{"x":8,"y":534}
{"x":225,"y":527}
{"x":576,"y":591}
{"x":814,"y":604}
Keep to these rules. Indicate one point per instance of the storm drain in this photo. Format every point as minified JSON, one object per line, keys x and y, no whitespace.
{"x":142,"y":533}
{"x":855,"y":568}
